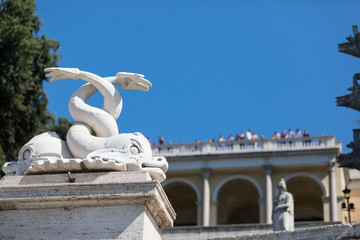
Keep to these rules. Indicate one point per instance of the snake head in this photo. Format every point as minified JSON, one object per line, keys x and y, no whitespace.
{"x":132,"y":81}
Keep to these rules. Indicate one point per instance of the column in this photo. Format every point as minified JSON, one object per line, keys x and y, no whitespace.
{"x":332,"y":191}
{"x":268,"y":194}
{"x":199,"y":213}
{"x":213,"y":213}
{"x":206,"y":197}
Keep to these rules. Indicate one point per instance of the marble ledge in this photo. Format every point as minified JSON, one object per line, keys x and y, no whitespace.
{"x":88,"y":190}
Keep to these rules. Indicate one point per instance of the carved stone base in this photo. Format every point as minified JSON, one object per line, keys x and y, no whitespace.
{"x":107,"y":205}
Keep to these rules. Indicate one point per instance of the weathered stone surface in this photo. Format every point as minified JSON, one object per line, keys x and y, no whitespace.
{"x":340,"y":231}
{"x":113,"y":205}
{"x":228,"y":231}
{"x":214,"y":232}
{"x":95,"y":178}
{"x":105,"y":222}
{"x":353,"y":232}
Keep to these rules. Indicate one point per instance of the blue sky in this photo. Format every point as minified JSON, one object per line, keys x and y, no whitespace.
{"x":217,"y":67}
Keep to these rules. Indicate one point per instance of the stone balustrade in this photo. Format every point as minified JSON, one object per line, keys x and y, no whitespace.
{"x":245,"y":146}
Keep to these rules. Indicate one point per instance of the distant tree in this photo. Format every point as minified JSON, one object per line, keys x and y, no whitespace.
{"x":23,"y":56}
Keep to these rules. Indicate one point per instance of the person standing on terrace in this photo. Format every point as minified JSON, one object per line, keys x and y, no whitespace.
{"x":230,"y":139}
{"x":254,"y":136}
{"x":248,"y":135}
{"x":161,"y":142}
{"x":308,"y":141}
{"x":169,"y":148}
{"x":283,"y":134}
{"x":306,"y":134}
{"x":276,"y":135}
{"x":221,"y":139}
{"x":240,"y":137}
{"x":197,"y":141}
{"x":291,"y":134}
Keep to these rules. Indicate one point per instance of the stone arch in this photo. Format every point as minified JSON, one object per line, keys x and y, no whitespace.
{"x":237,"y":200}
{"x":308,"y":192}
{"x":188,"y":182}
{"x":218,"y":187}
{"x":309,"y":175}
{"x":183,"y":196}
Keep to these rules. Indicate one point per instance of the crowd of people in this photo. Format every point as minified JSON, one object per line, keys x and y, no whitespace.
{"x":249,"y":135}
{"x":252,"y":135}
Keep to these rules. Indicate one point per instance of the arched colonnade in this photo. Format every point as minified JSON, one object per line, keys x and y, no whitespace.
{"x":240,"y":199}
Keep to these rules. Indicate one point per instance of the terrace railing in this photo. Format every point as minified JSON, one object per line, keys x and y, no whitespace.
{"x":245,"y":146}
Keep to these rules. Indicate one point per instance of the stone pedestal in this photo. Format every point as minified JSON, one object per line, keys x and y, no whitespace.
{"x":106,"y":205}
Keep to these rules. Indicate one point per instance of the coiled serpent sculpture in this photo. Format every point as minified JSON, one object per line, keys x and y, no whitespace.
{"x":93,"y":142}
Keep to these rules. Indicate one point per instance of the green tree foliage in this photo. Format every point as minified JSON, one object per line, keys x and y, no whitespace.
{"x":61,"y":126}
{"x":23,"y":56}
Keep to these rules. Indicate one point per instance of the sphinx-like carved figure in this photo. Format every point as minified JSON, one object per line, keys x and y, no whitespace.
{"x":351,"y":100}
{"x":352,"y":47}
{"x":352,"y":160}
{"x":92,"y":142}
{"x":283,"y":212}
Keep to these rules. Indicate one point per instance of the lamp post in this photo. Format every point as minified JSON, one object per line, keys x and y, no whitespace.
{"x":347,"y":206}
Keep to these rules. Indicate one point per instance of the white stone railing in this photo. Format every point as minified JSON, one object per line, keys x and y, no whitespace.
{"x":244,"y":146}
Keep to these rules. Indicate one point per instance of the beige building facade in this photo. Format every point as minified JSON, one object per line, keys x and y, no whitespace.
{"x":214,"y":183}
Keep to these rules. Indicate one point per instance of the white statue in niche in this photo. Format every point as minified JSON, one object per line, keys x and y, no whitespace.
{"x":283,"y":212}
{"x":93,"y":142}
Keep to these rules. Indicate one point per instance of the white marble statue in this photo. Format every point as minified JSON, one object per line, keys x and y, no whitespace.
{"x":283,"y":212}
{"x":93,"y":142}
